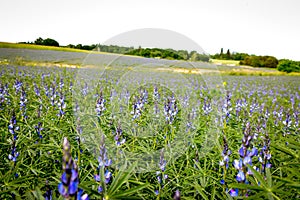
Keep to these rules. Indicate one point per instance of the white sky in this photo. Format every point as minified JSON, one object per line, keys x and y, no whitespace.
{"x":262,"y":27}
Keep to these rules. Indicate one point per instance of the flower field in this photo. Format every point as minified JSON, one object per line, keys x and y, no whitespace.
{"x":138,"y":133}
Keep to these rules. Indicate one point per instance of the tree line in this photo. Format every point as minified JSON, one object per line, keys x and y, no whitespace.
{"x":244,"y":58}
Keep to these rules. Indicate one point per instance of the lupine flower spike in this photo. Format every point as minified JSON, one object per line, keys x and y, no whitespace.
{"x":68,"y":187}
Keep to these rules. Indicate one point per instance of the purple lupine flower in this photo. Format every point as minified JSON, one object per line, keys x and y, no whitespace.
{"x":265,"y":154}
{"x":138,"y":107}
{"x":12,"y":128}
{"x":238,"y":107}
{"x":156,"y":95}
{"x":170,"y":110}
{"x":234,"y":192}
{"x":206,"y":107}
{"x":61,"y":84}
{"x":225,"y":154}
{"x":287,"y":124}
{"x":240,"y":177}
{"x":227,"y":106}
{"x":176,"y":195}
{"x":48,"y":194}
{"x":23,"y":102}
{"x":18,"y":85}
{"x":39,"y":129}
{"x":100,"y":105}
{"x":160,"y":175}
{"x":84,"y":90}
{"x":53,"y":95}
{"x":104,"y":163}
{"x":37,"y":90}
{"x":61,"y":105}
{"x":118,"y":136}
{"x":3,"y":95}
{"x":68,"y":187}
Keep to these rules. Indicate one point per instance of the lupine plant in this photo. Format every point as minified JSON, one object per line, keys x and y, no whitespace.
{"x":254,"y":151}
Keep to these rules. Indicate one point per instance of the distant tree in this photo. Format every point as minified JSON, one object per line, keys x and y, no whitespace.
{"x":39,"y":41}
{"x":78,"y":46}
{"x":270,"y":62}
{"x":184,"y":54}
{"x":50,"y":42}
{"x":288,"y":66}
{"x":46,"y":42}
{"x":228,"y":55}
{"x":221,"y":54}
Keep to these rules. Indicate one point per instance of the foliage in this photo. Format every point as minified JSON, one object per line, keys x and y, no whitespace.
{"x":46,"y":42}
{"x":169,"y":54}
{"x":246,"y":59}
{"x":37,"y":111}
{"x":260,"y":61}
{"x":288,"y":66}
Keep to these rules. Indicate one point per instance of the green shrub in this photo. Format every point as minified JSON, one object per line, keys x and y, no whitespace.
{"x":288,"y":66}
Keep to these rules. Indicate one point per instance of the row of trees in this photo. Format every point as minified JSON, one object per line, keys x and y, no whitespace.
{"x":229,"y":56}
{"x":169,"y":54}
{"x":246,"y":59}
{"x":45,"y":42}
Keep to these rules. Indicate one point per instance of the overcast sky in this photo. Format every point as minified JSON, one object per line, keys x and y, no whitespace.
{"x":262,"y":27}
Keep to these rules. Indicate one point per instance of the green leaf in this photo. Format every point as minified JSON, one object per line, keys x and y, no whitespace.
{"x":130,"y":191}
{"x":201,"y":191}
{"x":119,"y":180}
{"x":246,"y":186}
{"x":285,"y":150}
{"x":258,"y":176}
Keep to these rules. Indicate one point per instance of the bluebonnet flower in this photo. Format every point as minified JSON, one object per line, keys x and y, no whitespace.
{"x":84,"y":90}
{"x":39,"y":129}
{"x":23,"y":102}
{"x":118,"y":136}
{"x":160,"y":175}
{"x":287,"y":124}
{"x":68,"y":187}
{"x":225,"y":154}
{"x":176,"y":195}
{"x":253,"y":108}
{"x":53,"y":95}
{"x":37,"y":90}
{"x":100,"y":105}
{"x":104,"y":163}
{"x":61,"y":84}
{"x":61,"y":105}
{"x":234,"y":192}
{"x":170,"y":110}
{"x":48,"y":193}
{"x":238,"y":107}
{"x":3,"y":95}
{"x":227,"y":107}
{"x":71,"y":86}
{"x":189,"y":123}
{"x":265,"y":154}
{"x":18,"y":85}
{"x":12,"y":128}
{"x":138,"y":107}
{"x":206,"y":107}
{"x":156,"y":95}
